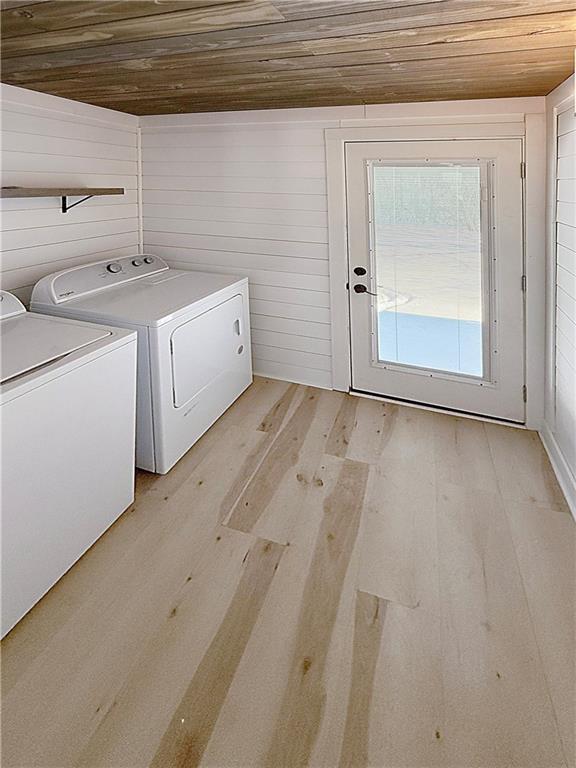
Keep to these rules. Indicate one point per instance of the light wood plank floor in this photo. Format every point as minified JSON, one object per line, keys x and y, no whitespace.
{"x":323,"y":581}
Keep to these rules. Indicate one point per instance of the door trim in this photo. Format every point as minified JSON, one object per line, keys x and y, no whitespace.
{"x":532,"y":133}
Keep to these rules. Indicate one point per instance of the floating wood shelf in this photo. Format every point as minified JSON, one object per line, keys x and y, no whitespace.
{"x":63,"y":192}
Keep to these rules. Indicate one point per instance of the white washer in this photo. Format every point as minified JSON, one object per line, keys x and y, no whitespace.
{"x":193,"y":329}
{"x":67,"y":403}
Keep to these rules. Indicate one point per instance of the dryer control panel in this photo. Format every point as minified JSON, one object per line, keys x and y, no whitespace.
{"x":89,"y":278}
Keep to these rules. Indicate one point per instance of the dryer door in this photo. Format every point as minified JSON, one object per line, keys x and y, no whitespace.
{"x":209,"y":346}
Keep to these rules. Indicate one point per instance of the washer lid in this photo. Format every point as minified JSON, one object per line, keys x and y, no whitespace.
{"x":30,"y":341}
{"x":10,"y":305}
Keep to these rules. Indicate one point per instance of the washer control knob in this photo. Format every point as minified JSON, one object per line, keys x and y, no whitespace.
{"x":137,"y":262}
{"x":148,"y":260}
{"x":114,"y":267}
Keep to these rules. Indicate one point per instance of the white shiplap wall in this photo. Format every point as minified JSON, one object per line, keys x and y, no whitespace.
{"x":249,"y":197}
{"x":48,"y":141}
{"x":558,"y":429}
{"x":565,"y":427}
{"x":245,"y":192}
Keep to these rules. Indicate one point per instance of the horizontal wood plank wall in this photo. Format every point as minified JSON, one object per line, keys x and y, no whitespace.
{"x":49,"y":141}
{"x":565,"y":432}
{"x":558,"y":430}
{"x":249,"y":198}
{"x":245,"y":193}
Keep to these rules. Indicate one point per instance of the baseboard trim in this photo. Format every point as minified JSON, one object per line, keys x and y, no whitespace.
{"x":560,"y":466}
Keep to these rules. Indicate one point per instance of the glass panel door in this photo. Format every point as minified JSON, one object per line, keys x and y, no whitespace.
{"x":430,"y":265}
{"x":435,"y":255}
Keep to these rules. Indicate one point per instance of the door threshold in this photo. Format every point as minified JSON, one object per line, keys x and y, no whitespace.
{"x":436,"y":409}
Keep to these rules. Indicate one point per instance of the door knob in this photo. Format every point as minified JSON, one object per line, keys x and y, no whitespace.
{"x":363,"y":289}
{"x":359,"y":271}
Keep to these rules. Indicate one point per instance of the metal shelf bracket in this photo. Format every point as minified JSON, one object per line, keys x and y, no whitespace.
{"x":66,"y":207}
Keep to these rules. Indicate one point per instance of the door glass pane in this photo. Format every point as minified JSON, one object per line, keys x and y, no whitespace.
{"x":428,"y":266}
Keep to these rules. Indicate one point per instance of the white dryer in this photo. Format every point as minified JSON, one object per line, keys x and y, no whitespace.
{"x":193,"y":329}
{"x":68,"y":406}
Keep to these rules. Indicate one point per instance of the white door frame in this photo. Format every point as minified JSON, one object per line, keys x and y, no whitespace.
{"x":531,"y":128}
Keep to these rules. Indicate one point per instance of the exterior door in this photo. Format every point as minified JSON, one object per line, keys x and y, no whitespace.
{"x":435,"y":250}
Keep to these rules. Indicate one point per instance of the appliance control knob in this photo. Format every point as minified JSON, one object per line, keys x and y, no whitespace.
{"x":148,"y":260}
{"x":137,"y":262}
{"x":114,"y":267}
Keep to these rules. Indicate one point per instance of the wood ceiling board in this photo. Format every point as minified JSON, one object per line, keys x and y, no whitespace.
{"x":559,"y":21}
{"x":469,"y":90}
{"x":149,"y":83}
{"x":153,"y":64}
{"x":385,"y":50}
{"x":476,"y":64}
{"x":308,"y":9}
{"x":490,"y":53}
{"x":437,"y":51}
{"x":408,"y":18}
{"x":65,"y":14}
{"x":301,"y":68}
{"x":444,"y":41}
{"x":9,"y":4}
{"x":195,"y":21}
{"x":219,"y":97}
{"x":444,"y":69}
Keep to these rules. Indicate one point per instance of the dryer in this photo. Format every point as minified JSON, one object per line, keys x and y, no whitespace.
{"x":194,"y":355}
{"x":67,"y":406}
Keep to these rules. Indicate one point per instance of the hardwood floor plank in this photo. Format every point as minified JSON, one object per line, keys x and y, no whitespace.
{"x":304,"y":697}
{"x":340,"y":434}
{"x":407,"y":721}
{"x":369,"y":623}
{"x":246,"y":414}
{"x":462,"y":454}
{"x":189,"y":732}
{"x":270,"y":425}
{"x":384,"y":606}
{"x":399,"y":559}
{"x":274,"y":418}
{"x":497,"y":705}
{"x":129,"y":732}
{"x":368,"y":436}
{"x":129,"y":599}
{"x":138,"y":531}
{"x":281,"y":514}
{"x":408,"y":435}
{"x":252,"y":709}
{"x":287,"y":469}
{"x":522,"y":467}
{"x":545,"y":544}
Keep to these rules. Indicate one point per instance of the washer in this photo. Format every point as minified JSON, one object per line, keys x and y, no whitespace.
{"x":67,"y":404}
{"x":193,"y":329}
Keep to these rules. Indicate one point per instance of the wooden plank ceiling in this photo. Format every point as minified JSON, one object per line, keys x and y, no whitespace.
{"x":166,"y":56}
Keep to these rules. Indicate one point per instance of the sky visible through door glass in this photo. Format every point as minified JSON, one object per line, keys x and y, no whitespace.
{"x":429,"y":266}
